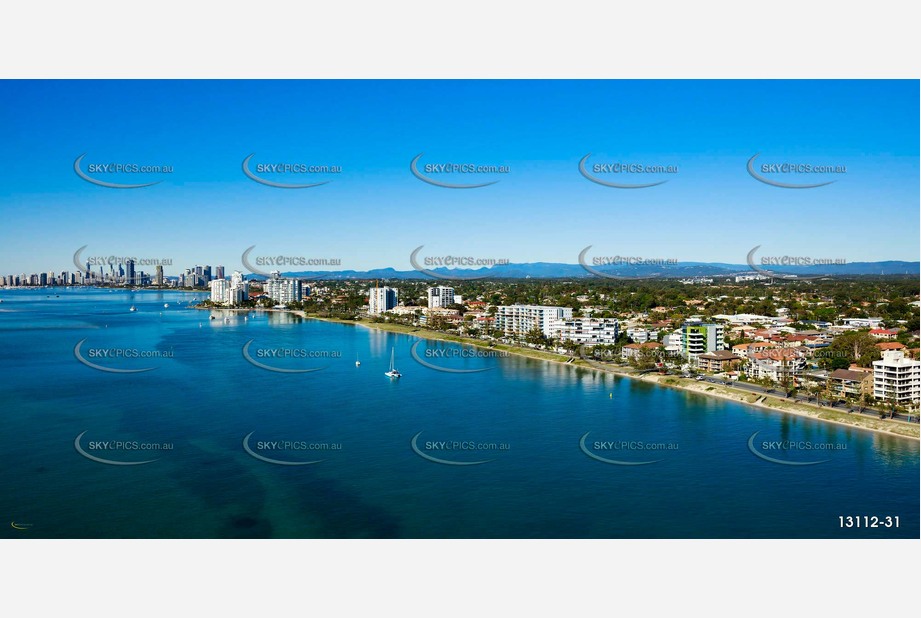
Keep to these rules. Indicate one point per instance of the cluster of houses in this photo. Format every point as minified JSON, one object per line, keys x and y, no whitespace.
{"x":774,"y":350}
{"x":780,"y":353}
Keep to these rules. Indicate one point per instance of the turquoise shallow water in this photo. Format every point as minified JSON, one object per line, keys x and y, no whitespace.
{"x":205,"y":397}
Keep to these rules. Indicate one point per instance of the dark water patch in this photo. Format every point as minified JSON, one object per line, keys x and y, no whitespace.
{"x":340,"y":513}
{"x":246,"y":527}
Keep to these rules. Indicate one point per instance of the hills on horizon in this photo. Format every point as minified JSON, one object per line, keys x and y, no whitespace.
{"x":555,"y":270}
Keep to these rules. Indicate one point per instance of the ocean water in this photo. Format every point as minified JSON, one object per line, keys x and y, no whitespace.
{"x":202,"y":397}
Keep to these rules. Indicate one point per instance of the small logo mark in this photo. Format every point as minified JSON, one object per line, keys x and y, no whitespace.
{"x":415,"y":170}
{"x":107,"y":461}
{"x":611,"y":461}
{"x":424,"y":363}
{"x":446,"y":462}
{"x":278,"y":462}
{"x":78,"y":354}
{"x":750,"y":258}
{"x":102,"y":183}
{"x":615,"y":185}
{"x":774,"y":183}
{"x":756,"y":453}
{"x":255,"y":363}
{"x":277,"y":185}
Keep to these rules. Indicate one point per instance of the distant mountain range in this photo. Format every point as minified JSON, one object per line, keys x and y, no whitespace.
{"x":553,"y":270}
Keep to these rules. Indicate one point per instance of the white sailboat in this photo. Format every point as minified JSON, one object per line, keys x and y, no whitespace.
{"x":393,"y":373}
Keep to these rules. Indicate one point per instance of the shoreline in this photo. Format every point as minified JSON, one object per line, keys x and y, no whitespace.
{"x":755,"y":400}
{"x":780,"y":405}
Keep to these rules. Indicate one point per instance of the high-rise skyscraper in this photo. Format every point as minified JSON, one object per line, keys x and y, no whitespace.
{"x":129,"y":272}
{"x":381,"y":299}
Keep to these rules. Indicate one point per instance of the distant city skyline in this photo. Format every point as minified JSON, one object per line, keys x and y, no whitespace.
{"x":201,"y":274}
{"x":375,"y":212}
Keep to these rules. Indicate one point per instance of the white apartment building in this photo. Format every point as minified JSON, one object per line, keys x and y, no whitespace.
{"x":440,"y":297}
{"x":586,"y":331}
{"x":642,"y":335}
{"x":752,"y":277}
{"x":522,"y":319}
{"x":232,"y":292}
{"x":777,"y":368}
{"x":746,"y":318}
{"x":237,"y":293}
{"x":282,"y":291}
{"x":897,"y":378}
{"x":381,"y":300}
{"x":674,"y":343}
{"x":863,"y":322}
{"x":219,"y":290}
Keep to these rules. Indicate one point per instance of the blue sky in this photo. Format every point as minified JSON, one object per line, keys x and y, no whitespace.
{"x":375,"y":212}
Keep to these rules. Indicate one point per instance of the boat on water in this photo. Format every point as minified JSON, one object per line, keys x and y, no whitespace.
{"x":133,"y":308}
{"x":166,"y":305}
{"x":393,"y":373}
{"x":358,"y":363}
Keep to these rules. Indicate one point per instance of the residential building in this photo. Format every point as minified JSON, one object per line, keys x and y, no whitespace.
{"x":746,"y":318}
{"x":844,"y":383}
{"x":674,"y":343}
{"x":886,"y":334}
{"x":635,"y":350}
{"x":232,"y":293}
{"x":381,"y":299}
{"x":699,"y":338}
{"x":440,"y":297}
{"x":521,"y":319}
{"x":642,"y":335}
{"x":282,"y":291}
{"x":219,"y":288}
{"x":871,"y":323}
{"x":720,"y":360}
{"x":586,"y":331}
{"x":777,"y":365}
{"x":897,"y":378}
{"x":751,"y":277}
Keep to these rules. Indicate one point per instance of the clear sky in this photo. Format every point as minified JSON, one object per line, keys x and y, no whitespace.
{"x":376,"y":212}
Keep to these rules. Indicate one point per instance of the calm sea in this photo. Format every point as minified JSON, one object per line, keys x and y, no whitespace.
{"x":200,"y":396}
